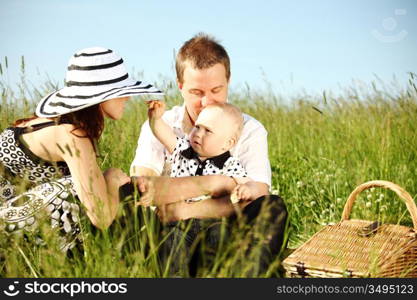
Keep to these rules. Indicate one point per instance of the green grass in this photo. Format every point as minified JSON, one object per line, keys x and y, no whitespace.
{"x":320,"y":149}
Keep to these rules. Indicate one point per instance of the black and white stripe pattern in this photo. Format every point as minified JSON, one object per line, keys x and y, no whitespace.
{"x":94,"y":75}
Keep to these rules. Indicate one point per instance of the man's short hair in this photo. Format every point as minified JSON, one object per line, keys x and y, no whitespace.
{"x":202,"y":51}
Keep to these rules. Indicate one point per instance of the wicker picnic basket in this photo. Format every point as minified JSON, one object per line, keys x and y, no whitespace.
{"x":359,"y":248}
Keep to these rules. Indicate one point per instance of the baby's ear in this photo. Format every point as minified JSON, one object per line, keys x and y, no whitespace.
{"x":231,"y":142}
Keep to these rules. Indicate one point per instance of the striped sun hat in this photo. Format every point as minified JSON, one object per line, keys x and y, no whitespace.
{"x":94,"y":75}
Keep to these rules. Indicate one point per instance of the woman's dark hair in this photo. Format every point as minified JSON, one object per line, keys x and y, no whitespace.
{"x":89,"y":119}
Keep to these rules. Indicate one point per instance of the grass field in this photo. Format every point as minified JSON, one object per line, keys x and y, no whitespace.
{"x":320,"y":149}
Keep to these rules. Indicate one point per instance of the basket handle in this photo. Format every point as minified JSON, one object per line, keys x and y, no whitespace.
{"x":409,"y":202}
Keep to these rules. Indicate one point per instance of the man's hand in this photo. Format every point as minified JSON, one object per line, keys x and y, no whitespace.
{"x":172,"y":212}
{"x":156,"y":109}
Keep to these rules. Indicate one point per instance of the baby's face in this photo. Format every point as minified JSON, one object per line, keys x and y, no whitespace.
{"x":212,"y":133}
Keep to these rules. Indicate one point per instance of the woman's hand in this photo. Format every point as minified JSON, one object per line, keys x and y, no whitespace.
{"x":146,"y":186}
{"x":116,"y":176}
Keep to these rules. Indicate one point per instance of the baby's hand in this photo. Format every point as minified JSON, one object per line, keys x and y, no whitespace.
{"x":241,"y":192}
{"x":156,"y":109}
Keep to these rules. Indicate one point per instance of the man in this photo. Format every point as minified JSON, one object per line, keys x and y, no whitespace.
{"x":203,"y":76}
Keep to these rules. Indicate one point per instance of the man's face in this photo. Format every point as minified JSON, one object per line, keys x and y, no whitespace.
{"x":203,"y":87}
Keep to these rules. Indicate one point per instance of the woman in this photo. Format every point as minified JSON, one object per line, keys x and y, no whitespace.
{"x":57,"y":147}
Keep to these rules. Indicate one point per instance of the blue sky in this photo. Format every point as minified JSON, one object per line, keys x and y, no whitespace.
{"x":294,"y":45}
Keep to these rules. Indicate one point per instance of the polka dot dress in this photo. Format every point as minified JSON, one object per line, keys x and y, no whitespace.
{"x":50,"y":190}
{"x":21,"y":162}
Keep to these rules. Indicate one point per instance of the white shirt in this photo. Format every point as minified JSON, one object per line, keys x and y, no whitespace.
{"x":251,"y":149}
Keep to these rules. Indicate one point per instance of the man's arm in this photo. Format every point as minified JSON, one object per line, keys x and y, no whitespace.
{"x":206,"y":209}
{"x":252,"y":152}
{"x":260,"y":189}
{"x":209,"y":208}
{"x":169,"y":195}
{"x":161,"y":190}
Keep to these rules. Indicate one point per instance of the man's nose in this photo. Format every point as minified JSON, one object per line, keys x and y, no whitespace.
{"x":207,"y":100}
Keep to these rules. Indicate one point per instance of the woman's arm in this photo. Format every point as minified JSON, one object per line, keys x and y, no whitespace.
{"x":98,"y":192}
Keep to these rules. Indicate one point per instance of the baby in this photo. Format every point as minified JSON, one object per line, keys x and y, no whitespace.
{"x":216,"y":131}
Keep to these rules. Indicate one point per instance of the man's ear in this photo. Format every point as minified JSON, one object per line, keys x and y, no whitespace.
{"x":179,"y":84}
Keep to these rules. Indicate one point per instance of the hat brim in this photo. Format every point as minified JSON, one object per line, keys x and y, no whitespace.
{"x":68,"y":99}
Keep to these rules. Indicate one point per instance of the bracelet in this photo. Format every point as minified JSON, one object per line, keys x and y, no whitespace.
{"x":234,"y":180}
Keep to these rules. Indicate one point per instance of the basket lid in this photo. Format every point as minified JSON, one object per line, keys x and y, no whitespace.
{"x":342,"y":249}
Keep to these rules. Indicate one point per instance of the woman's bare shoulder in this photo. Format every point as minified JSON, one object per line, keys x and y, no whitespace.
{"x":68,"y":133}
{"x":64,"y":129}
{"x":71,"y":129}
